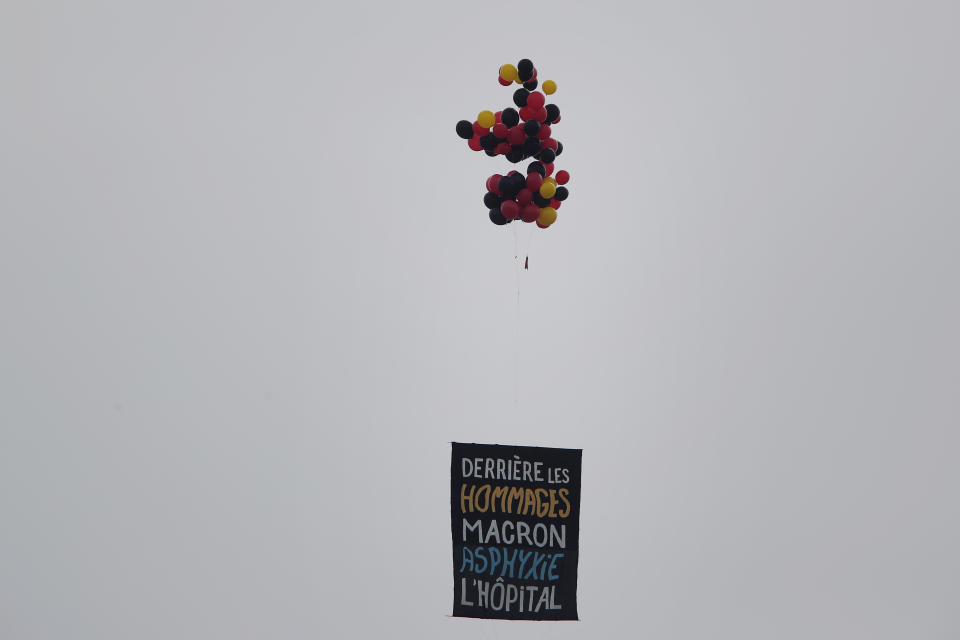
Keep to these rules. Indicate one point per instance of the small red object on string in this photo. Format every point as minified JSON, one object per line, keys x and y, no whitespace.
{"x":526,"y":262}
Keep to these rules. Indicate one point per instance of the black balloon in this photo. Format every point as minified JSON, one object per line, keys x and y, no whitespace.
{"x":531,"y":146}
{"x":553,"y":112}
{"x":490,"y":152}
{"x":465,"y":129}
{"x":539,"y":200}
{"x":519,"y":99}
{"x":531,"y":127}
{"x":561,"y":194}
{"x":548,"y":156}
{"x":489,"y":142}
{"x":508,"y":188}
{"x":491,"y":200}
{"x":530,"y":86}
{"x":515,"y":154}
{"x":508,"y":116}
{"x":524,"y":70}
{"x":559,"y":147}
{"x":497,"y":218}
{"x":538,"y":167}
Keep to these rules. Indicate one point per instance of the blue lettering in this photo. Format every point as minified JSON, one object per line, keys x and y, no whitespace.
{"x":508,"y":562}
{"x":553,"y":565}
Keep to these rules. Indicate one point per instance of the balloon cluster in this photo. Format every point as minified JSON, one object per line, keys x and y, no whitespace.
{"x":520,"y":134}
{"x":534,"y":197}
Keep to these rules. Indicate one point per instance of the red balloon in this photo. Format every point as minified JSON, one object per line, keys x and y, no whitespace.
{"x":549,"y":167}
{"x":540,"y":113}
{"x":562,"y":176}
{"x":513,"y":173}
{"x":555,"y":204}
{"x":525,"y":197}
{"x":516,"y":135}
{"x":529,"y":212}
{"x":503,"y":148}
{"x":534,"y":180}
{"x":478,"y":130}
{"x":510,"y":209}
{"x":500,"y":130}
{"x":540,"y":225}
{"x":550,"y":143}
{"x":505,"y":83}
{"x":474,"y":143}
{"x":544,"y":132}
{"x":526,"y":113}
{"x":492,"y":183}
{"x":536,"y":100}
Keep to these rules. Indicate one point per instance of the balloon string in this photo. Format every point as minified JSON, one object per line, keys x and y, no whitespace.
{"x":529,"y":242}
{"x":515,"y":247}
{"x":516,"y":329}
{"x":517,"y":326}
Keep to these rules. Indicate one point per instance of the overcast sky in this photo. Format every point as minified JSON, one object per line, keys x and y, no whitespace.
{"x":250,"y":294}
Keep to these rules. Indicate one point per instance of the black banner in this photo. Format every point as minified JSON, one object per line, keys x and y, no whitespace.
{"x":515,"y":518}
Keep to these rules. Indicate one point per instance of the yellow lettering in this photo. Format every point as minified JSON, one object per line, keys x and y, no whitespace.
{"x":563,"y":497}
{"x":484,"y":490}
{"x":466,"y":498}
{"x":515,"y":500}
{"x":529,"y":502}
{"x":542,"y":505}
{"x":553,"y":503}
{"x":500,"y":493}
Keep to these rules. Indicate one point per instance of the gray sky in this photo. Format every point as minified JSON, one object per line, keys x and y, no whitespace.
{"x":250,"y":294}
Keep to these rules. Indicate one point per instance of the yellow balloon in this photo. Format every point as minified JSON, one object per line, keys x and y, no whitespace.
{"x":548,"y":215}
{"x":549,"y":87}
{"x":551,"y":180}
{"x":508,"y":72}
{"x":486,"y":119}
{"x":547,"y":189}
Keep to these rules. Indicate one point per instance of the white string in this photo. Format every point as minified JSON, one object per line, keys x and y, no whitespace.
{"x":529,"y":241}
{"x":516,"y":325}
